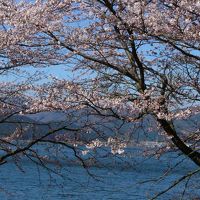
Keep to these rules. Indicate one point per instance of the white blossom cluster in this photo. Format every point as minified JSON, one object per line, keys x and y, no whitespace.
{"x":117,"y":146}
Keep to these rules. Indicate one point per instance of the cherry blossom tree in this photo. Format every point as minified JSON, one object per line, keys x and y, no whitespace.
{"x":131,"y":59}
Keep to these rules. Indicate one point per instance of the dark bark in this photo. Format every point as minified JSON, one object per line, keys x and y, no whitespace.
{"x":192,"y":154}
{"x":180,"y":144}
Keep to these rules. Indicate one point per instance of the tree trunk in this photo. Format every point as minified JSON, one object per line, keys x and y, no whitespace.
{"x":192,"y":154}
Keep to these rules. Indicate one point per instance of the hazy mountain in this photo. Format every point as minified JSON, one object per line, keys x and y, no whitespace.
{"x":76,"y":119}
{"x":48,"y":117}
{"x":35,"y":125}
{"x":24,"y":124}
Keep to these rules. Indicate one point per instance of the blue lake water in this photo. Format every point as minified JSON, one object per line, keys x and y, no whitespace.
{"x":117,"y":181}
